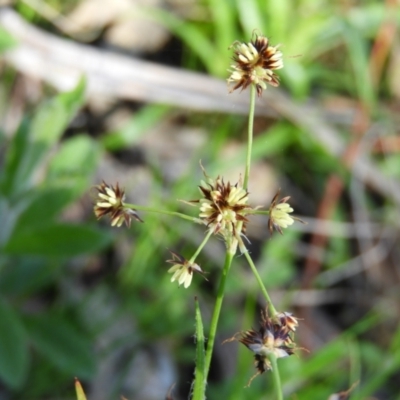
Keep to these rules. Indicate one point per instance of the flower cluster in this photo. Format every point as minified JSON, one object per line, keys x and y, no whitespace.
{"x":275,"y":336}
{"x":110,"y":201}
{"x":255,"y":63}
{"x":224,"y":207}
{"x":182,"y":269}
{"x":279,"y":214}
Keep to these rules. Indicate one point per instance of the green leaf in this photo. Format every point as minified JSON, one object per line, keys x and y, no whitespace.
{"x":76,"y":158}
{"x":46,"y":204}
{"x":57,"y":240}
{"x":35,"y":138}
{"x":358,"y":55}
{"x":7,"y":220}
{"x":36,"y":274}
{"x":14,"y":158}
{"x":327,"y":359}
{"x":199,"y":389}
{"x":138,"y":126}
{"x":73,"y":99}
{"x":62,"y":344}
{"x":14,"y":354}
{"x":193,"y":37}
{"x":250,"y":17}
{"x":7,"y":41}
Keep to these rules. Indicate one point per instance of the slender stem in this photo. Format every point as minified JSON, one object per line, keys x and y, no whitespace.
{"x":165,"y":212}
{"x":271,"y":308}
{"x":259,"y":212}
{"x":203,"y":243}
{"x":216,"y":312}
{"x":277,"y":378}
{"x":250,"y":135}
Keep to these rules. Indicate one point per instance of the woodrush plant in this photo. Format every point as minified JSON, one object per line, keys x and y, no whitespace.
{"x":224,"y":209}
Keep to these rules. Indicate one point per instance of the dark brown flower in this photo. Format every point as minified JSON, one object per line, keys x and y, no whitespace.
{"x":224,"y":207}
{"x":255,"y":63}
{"x":287,"y":320}
{"x":275,"y":336}
{"x":110,"y":201}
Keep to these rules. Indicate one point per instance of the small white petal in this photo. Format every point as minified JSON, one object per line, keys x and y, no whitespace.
{"x":110,"y":192}
{"x":188,"y":280}
{"x":104,"y":204}
{"x":183,"y":276}
{"x":174,"y":268}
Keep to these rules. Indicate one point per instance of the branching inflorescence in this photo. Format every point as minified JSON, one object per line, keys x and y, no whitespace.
{"x":225,"y":210}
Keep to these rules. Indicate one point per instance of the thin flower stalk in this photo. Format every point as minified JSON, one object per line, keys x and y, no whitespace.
{"x":271,"y":307}
{"x":250,"y":136}
{"x":164,"y":212}
{"x":217,"y":310}
{"x":276,"y":376}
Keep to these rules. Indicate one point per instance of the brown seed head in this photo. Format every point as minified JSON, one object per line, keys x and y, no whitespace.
{"x":273,"y":337}
{"x":223,"y":207}
{"x":255,"y":63}
{"x":110,"y":201}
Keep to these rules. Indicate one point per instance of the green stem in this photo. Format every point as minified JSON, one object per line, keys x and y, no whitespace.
{"x":216,"y":312}
{"x":250,"y":135}
{"x":277,"y":378}
{"x":158,"y":211}
{"x":203,"y":243}
{"x":271,"y":309}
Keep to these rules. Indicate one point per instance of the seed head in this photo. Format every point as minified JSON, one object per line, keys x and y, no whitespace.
{"x":223,"y":207}
{"x":255,"y":63}
{"x":110,"y":201}
{"x":286,"y":319}
{"x":273,"y":337}
{"x":182,"y":269}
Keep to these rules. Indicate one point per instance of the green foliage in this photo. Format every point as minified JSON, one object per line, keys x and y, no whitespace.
{"x":61,"y":342}
{"x":14,"y":352}
{"x":200,"y":381}
{"x":35,"y":242}
{"x":7,"y":41}
{"x":135,"y":129}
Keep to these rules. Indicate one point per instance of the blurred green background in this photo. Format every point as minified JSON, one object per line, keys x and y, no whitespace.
{"x":80,"y":299}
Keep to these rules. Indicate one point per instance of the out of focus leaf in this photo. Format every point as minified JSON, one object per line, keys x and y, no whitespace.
{"x":14,"y":354}
{"x":34,"y":139}
{"x":136,"y":128}
{"x":200,"y":379}
{"x":76,"y":159}
{"x":14,"y":157}
{"x":73,"y":99}
{"x":7,"y":41}
{"x":57,"y":240}
{"x":22,"y":276}
{"x":62,"y":344}
{"x":45,"y":206}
